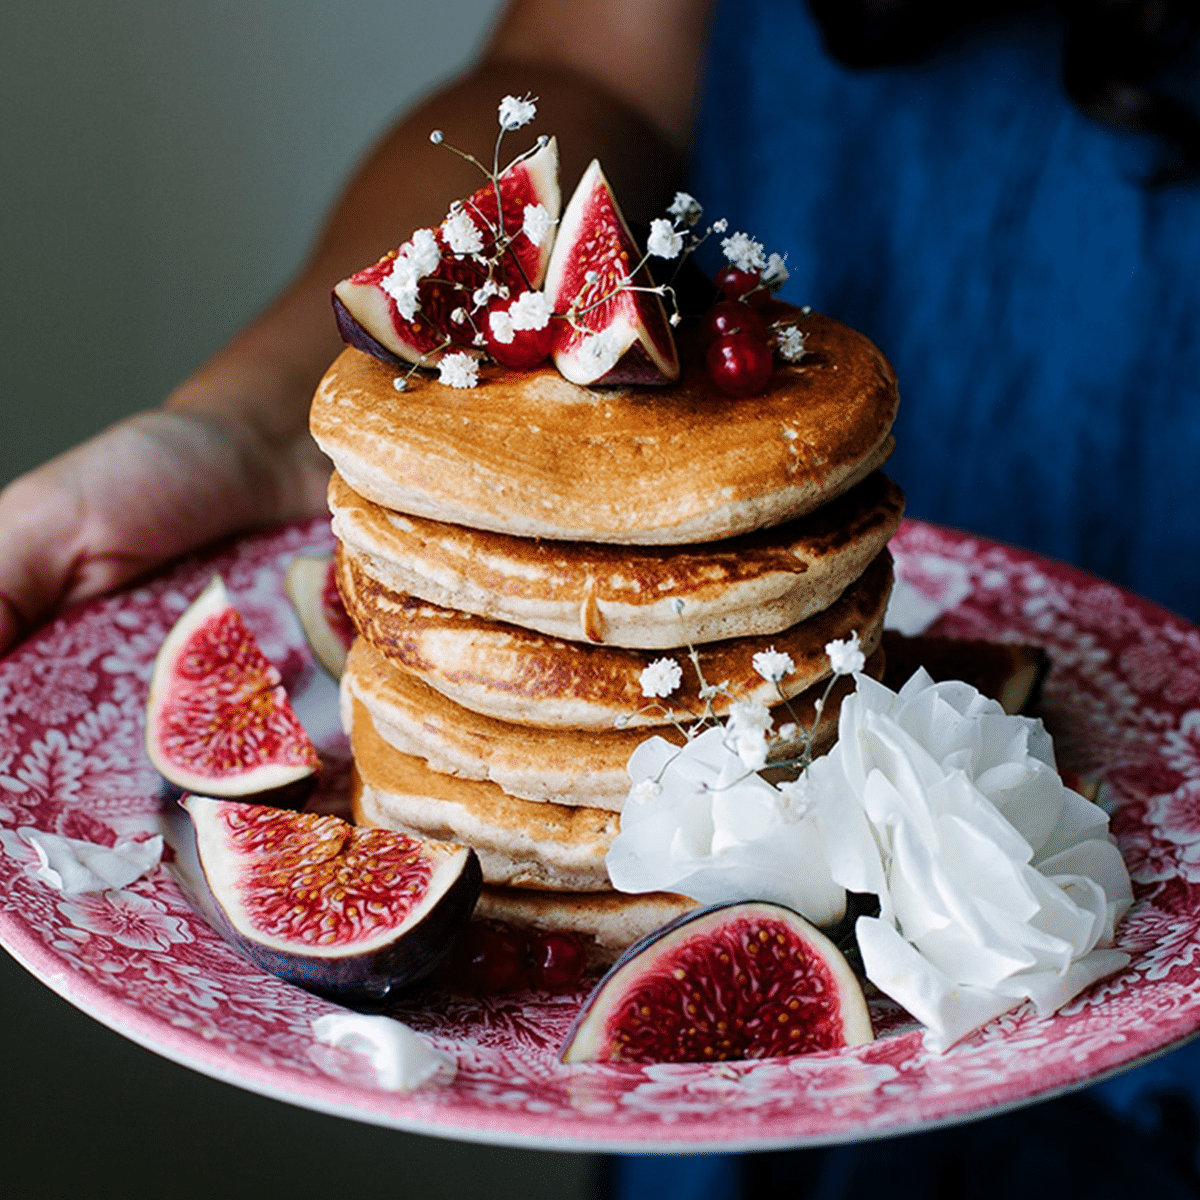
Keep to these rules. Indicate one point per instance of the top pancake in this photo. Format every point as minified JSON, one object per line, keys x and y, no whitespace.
{"x":528,"y":453}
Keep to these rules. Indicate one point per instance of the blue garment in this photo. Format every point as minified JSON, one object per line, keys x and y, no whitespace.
{"x":1040,"y":304}
{"x":1041,"y":307}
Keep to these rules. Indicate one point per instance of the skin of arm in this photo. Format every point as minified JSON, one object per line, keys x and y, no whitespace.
{"x":230,"y":449}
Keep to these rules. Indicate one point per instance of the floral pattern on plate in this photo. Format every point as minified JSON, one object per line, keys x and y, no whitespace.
{"x":1123,"y":700}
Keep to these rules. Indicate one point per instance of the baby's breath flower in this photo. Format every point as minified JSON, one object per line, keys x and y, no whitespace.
{"x":537,"y":223}
{"x":775,"y":273}
{"x":663,"y":242}
{"x":661,"y":677}
{"x":773,"y":664}
{"x":516,"y":112}
{"x":401,"y":284}
{"x":685,"y":208}
{"x":436,"y":136}
{"x":846,"y":657}
{"x":710,"y":690}
{"x":418,"y":257}
{"x":530,"y":310}
{"x":501,"y":326}
{"x":459,"y":315}
{"x":461,"y":233}
{"x":790,"y":343}
{"x":720,"y":226}
{"x":423,"y":252}
{"x":484,"y":293}
{"x":744,"y":252}
{"x":748,"y":716}
{"x":400,"y":383}
{"x":787,"y":731}
{"x":458,"y":371}
{"x":645,"y":791}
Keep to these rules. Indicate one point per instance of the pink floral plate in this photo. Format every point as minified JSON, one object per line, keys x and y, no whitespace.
{"x":1123,"y":700}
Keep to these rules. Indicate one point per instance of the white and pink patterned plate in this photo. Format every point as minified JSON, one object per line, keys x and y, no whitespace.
{"x":1123,"y":701}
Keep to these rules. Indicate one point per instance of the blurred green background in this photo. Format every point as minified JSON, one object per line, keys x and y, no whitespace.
{"x":165,"y":167}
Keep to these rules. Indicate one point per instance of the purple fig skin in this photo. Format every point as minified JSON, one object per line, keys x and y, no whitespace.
{"x":292,"y":796}
{"x":585,"y":1034}
{"x":353,"y":334}
{"x":356,"y":978}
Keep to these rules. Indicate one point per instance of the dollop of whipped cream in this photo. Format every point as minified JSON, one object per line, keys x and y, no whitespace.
{"x":75,"y":866}
{"x":401,"y":1058}
{"x":996,"y":882}
{"x":699,"y":823}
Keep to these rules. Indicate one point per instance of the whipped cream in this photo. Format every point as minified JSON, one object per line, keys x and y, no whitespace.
{"x":401,"y":1058}
{"x":74,"y":866}
{"x":996,"y":882}
{"x":699,"y":823}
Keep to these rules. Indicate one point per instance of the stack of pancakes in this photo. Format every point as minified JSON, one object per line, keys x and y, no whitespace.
{"x":516,"y":554}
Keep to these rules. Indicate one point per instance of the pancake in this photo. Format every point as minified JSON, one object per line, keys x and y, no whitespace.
{"x":520,"y":843}
{"x":515,"y":675}
{"x":567,"y":767}
{"x":609,"y":922}
{"x":754,"y":585}
{"x":531,"y":454}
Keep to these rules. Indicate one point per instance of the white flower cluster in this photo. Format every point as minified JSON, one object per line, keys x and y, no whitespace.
{"x":846,"y":657}
{"x":661,"y":677}
{"x":537,"y":223}
{"x":789,"y":341}
{"x":458,"y":370}
{"x":418,"y":257}
{"x":744,"y":252}
{"x":530,"y":310}
{"x":773,"y":664}
{"x":516,"y":112}
{"x":461,"y":233}
{"x":664,"y":241}
{"x":685,"y":208}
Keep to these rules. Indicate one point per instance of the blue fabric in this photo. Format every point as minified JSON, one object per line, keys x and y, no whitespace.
{"x":1041,"y":306}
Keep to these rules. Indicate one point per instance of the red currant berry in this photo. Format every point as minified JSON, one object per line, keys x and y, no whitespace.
{"x":557,"y":961}
{"x":489,"y":957}
{"x":741,"y":285}
{"x":731,"y":316}
{"x":739,"y":364}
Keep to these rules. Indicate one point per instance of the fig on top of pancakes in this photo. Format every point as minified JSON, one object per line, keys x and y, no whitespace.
{"x":530,"y":454}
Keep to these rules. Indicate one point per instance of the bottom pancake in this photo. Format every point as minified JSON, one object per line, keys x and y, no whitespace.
{"x":606,"y":922}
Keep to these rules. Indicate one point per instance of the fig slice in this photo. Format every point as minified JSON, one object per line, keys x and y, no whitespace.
{"x":369,"y":318}
{"x":349,"y":913}
{"x":218,"y":719}
{"x":616,"y":335}
{"x":732,"y":981}
{"x":311,"y":586}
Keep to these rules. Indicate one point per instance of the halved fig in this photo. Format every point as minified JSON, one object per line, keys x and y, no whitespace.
{"x":611,"y":333}
{"x":311,"y":586}
{"x":368,"y":316}
{"x":218,"y":719}
{"x":746,"y":980}
{"x":350,"y":913}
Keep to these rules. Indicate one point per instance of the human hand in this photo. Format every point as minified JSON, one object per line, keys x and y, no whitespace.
{"x":133,"y":497}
